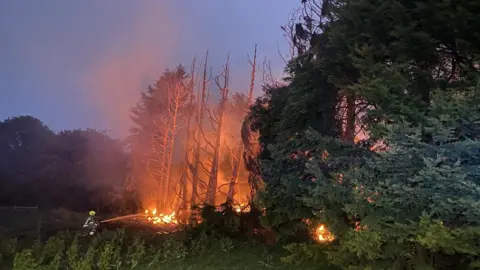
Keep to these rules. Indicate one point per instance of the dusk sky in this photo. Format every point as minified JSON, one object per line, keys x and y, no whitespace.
{"x":79,"y":64}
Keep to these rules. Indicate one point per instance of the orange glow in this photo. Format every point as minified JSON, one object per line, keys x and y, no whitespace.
{"x":359,"y":227}
{"x":112,"y":80}
{"x":167,"y":201}
{"x":161,"y":219}
{"x":322,"y":235}
{"x":242,"y":208}
{"x":171,"y":219}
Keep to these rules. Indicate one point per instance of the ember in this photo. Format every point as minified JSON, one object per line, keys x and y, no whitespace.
{"x":239,"y":208}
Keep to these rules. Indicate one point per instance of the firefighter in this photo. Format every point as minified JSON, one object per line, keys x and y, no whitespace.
{"x":91,"y":223}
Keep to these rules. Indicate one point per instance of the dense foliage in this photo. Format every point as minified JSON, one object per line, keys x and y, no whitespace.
{"x":418,"y":202}
{"x":403,"y":194}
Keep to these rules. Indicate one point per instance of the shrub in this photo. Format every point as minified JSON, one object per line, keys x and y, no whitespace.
{"x":225,"y":221}
{"x":301,"y":253}
{"x":136,"y":252}
{"x":53,"y":250}
{"x":25,"y":260}
{"x":8,"y":248}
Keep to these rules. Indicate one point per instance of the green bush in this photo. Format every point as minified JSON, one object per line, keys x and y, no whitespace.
{"x":8,"y":247}
{"x":135,"y":252}
{"x":25,"y":260}
{"x":53,"y":250}
{"x":122,"y":250}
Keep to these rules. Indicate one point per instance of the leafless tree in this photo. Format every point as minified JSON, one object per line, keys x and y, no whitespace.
{"x":156,"y":163}
{"x":177,"y":99}
{"x":198,"y":135}
{"x":306,"y":22}
{"x":166,"y":125}
{"x":217,"y":118}
{"x":189,"y":142}
{"x":236,"y":156}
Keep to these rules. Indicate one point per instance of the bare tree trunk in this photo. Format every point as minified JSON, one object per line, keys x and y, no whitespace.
{"x":235,"y":163}
{"x":236,"y":158}
{"x":253,"y":65}
{"x":199,"y":117}
{"x":164,"y":165}
{"x":163,"y":139}
{"x":218,"y":120}
{"x":188,"y":159}
{"x":156,"y":166}
{"x":176,"y":98}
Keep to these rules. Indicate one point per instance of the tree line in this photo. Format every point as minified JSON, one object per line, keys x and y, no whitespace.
{"x":74,"y":169}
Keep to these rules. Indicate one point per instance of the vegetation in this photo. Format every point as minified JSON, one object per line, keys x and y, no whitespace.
{"x":374,"y":134}
{"x":87,"y":168}
{"x":123,"y":250}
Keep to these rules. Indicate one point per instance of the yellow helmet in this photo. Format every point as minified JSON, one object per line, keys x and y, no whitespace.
{"x":91,"y":213}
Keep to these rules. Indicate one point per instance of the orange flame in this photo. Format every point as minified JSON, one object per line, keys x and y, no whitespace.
{"x":242,"y":208}
{"x":322,"y":234}
{"x":155,"y":218}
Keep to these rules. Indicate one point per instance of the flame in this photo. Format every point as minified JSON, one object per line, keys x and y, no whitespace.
{"x":242,"y":208}
{"x":238,"y":208}
{"x":322,"y":234}
{"x":163,"y":219}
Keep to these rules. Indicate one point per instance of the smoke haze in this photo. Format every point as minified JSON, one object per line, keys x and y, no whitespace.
{"x":78,"y":64}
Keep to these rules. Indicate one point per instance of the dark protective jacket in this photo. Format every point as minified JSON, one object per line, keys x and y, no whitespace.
{"x":90,"y":223}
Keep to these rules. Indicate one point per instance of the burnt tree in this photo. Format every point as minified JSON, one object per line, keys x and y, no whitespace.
{"x":188,"y":159}
{"x":236,"y":155}
{"x":196,"y":169}
{"x":217,"y":118}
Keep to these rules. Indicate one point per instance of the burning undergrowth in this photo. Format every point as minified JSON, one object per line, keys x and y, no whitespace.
{"x":234,"y":220}
{"x":155,"y":217}
{"x":219,"y":218}
{"x":161,"y":219}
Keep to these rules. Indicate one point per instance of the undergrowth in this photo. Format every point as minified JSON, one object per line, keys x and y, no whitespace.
{"x":223,"y":240}
{"x":122,"y":250}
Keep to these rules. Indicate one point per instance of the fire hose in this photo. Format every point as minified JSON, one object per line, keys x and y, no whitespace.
{"x":120,"y":218}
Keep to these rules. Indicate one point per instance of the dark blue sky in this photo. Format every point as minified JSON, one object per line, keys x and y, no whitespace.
{"x":78,"y":64}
